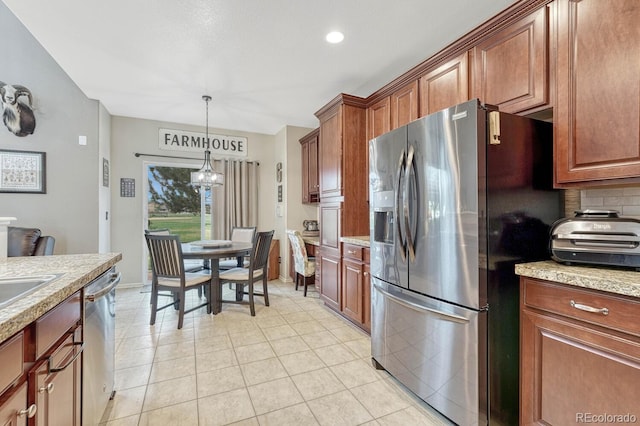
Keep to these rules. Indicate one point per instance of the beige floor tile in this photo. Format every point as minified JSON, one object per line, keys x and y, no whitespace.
{"x":127,"y":402}
{"x":317,"y":383}
{"x":219,"y":381}
{"x":170,"y":392}
{"x":184,"y":414}
{"x":252,"y":353}
{"x":213,"y":343}
{"x":289,"y":345}
{"x":174,"y":350}
{"x":249,"y":337}
{"x":274,"y":395}
{"x":132,"y":377}
{"x":301,"y":362}
{"x":271,"y":321}
{"x":320,"y":339}
{"x":279,"y":332}
{"x":299,"y":414}
{"x":263,"y":371}
{"x":360,"y":347}
{"x":307,"y":327}
{"x":215,"y":360}
{"x":411,"y":416}
{"x":296,"y":317}
{"x":133,"y":358}
{"x":355,"y":373}
{"x":335,"y":354}
{"x":173,"y":369}
{"x":125,"y":421}
{"x":225,"y":408}
{"x":347,"y":333}
{"x":184,"y":335}
{"x":252,"y":421}
{"x":339,"y":409}
{"x":380,"y":398}
{"x":139,"y":342}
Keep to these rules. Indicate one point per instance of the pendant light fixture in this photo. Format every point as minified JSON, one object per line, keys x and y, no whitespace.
{"x":206,"y":177}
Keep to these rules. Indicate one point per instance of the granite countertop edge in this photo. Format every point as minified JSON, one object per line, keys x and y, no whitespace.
{"x":625,"y":282}
{"x":361,"y":240}
{"x":75,"y":271}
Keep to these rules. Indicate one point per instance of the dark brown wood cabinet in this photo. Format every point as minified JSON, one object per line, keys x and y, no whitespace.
{"x":597,"y":105}
{"x":379,"y":118}
{"x":310,"y":183}
{"x":356,"y":294}
{"x":445,"y":85}
{"x":580,"y":354}
{"x":510,"y":68}
{"x":404,"y":105}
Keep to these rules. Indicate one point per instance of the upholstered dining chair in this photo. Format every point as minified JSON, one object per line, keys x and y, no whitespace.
{"x":303,"y":265}
{"x":256,"y":271}
{"x":168,"y":274}
{"x":239,"y":234}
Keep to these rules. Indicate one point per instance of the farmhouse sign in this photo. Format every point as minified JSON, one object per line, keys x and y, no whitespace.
{"x":221,"y":145}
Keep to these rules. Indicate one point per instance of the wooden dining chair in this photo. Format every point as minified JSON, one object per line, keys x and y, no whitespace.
{"x":256,"y":271}
{"x":303,"y":265}
{"x":168,"y":274}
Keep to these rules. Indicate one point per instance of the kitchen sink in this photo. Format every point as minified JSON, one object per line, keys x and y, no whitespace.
{"x":14,"y":288}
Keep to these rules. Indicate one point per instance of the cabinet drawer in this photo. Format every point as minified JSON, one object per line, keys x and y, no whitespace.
{"x":51,"y":327}
{"x":609,"y":311}
{"x":352,"y":251}
{"x":11,"y":360}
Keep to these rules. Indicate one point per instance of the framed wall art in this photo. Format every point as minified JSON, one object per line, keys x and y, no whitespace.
{"x":23,"y":171}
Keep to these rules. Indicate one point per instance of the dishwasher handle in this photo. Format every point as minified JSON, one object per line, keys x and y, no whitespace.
{"x":113,"y":281}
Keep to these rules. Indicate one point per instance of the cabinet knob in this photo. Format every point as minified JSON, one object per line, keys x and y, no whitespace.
{"x":48,"y":389}
{"x":351,"y":251}
{"x":29,"y":412}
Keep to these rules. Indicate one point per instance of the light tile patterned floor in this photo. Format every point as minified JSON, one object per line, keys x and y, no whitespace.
{"x":295,"y":363}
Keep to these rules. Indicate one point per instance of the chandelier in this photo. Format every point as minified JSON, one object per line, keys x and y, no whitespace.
{"x":206,"y":177}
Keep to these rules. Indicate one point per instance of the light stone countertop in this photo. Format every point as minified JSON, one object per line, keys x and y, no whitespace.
{"x":314,"y":241}
{"x":362,"y":241}
{"x":612,"y":280}
{"x":76,"y":271}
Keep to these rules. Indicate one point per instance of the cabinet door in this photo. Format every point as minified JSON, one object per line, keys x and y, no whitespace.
{"x":330,"y":152}
{"x":366,"y":288}
{"x":305,"y":172}
{"x":13,"y":411}
{"x":352,"y":291}
{"x":330,"y":288}
{"x":510,"y":67}
{"x":570,"y":372}
{"x":597,"y":111}
{"x":445,"y":86}
{"x":404,"y":105}
{"x":379,"y":118}
{"x":312,"y":171}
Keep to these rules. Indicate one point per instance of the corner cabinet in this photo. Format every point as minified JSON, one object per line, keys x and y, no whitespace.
{"x":310,"y":183}
{"x":580,"y":355}
{"x":597,"y":111}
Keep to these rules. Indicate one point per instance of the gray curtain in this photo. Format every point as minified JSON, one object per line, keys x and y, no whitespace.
{"x":236,"y":202}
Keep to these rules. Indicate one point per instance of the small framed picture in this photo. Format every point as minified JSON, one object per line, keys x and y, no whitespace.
{"x":23,"y":171}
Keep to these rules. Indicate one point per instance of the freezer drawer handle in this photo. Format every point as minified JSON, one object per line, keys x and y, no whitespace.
{"x":603,"y":311}
{"x":420,"y":308}
{"x":114,"y":280}
{"x":71,"y":361}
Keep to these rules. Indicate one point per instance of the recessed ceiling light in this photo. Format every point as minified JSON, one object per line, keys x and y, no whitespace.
{"x":335,"y":37}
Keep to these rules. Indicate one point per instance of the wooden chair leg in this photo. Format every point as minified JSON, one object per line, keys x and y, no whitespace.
{"x":154,"y":304}
{"x":251,"y":306}
{"x":297,"y":279}
{"x":264,"y":291}
{"x":304,"y":281}
{"x":181,"y":310}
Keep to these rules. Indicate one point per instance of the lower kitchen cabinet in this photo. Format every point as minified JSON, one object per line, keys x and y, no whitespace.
{"x":356,"y":295}
{"x":330,"y":284}
{"x":13,"y":409}
{"x":580,"y":355}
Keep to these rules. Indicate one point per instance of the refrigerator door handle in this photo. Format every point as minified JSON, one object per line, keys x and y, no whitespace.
{"x":400,"y":174}
{"x":409,"y":166}
{"x":421,"y":308}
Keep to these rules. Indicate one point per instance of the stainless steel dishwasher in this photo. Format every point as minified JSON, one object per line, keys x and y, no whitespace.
{"x":99,"y":355}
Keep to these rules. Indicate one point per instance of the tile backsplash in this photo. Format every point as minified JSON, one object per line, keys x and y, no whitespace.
{"x":626,"y":200}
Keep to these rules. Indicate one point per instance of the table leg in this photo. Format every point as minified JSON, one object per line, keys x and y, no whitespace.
{"x":216,"y":296}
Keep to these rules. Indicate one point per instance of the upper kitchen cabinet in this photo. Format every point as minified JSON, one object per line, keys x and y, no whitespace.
{"x":343,"y":149}
{"x":445,"y":86}
{"x":404,"y":105}
{"x":510,"y":68}
{"x":310,"y":182}
{"x":379,"y":118}
{"x":597,"y":108}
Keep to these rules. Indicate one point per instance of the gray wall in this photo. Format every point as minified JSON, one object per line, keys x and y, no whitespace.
{"x":69,"y":209}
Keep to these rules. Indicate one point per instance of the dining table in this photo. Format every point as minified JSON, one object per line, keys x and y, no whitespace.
{"x":213,"y":251}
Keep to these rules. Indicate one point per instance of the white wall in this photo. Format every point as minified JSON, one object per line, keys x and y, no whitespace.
{"x":130,"y":135}
{"x":69,"y":209}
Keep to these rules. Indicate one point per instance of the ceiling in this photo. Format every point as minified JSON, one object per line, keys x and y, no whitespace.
{"x":264,"y":62}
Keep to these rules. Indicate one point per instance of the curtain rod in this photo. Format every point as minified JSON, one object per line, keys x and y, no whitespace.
{"x":140,"y":154}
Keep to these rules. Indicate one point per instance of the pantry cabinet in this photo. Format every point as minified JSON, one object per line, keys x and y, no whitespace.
{"x":510,"y":68}
{"x":445,"y":85}
{"x":597,"y":105}
{"x":580,"y":354}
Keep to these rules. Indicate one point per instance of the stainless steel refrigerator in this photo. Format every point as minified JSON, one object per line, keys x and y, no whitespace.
{"x":457,"y":198}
